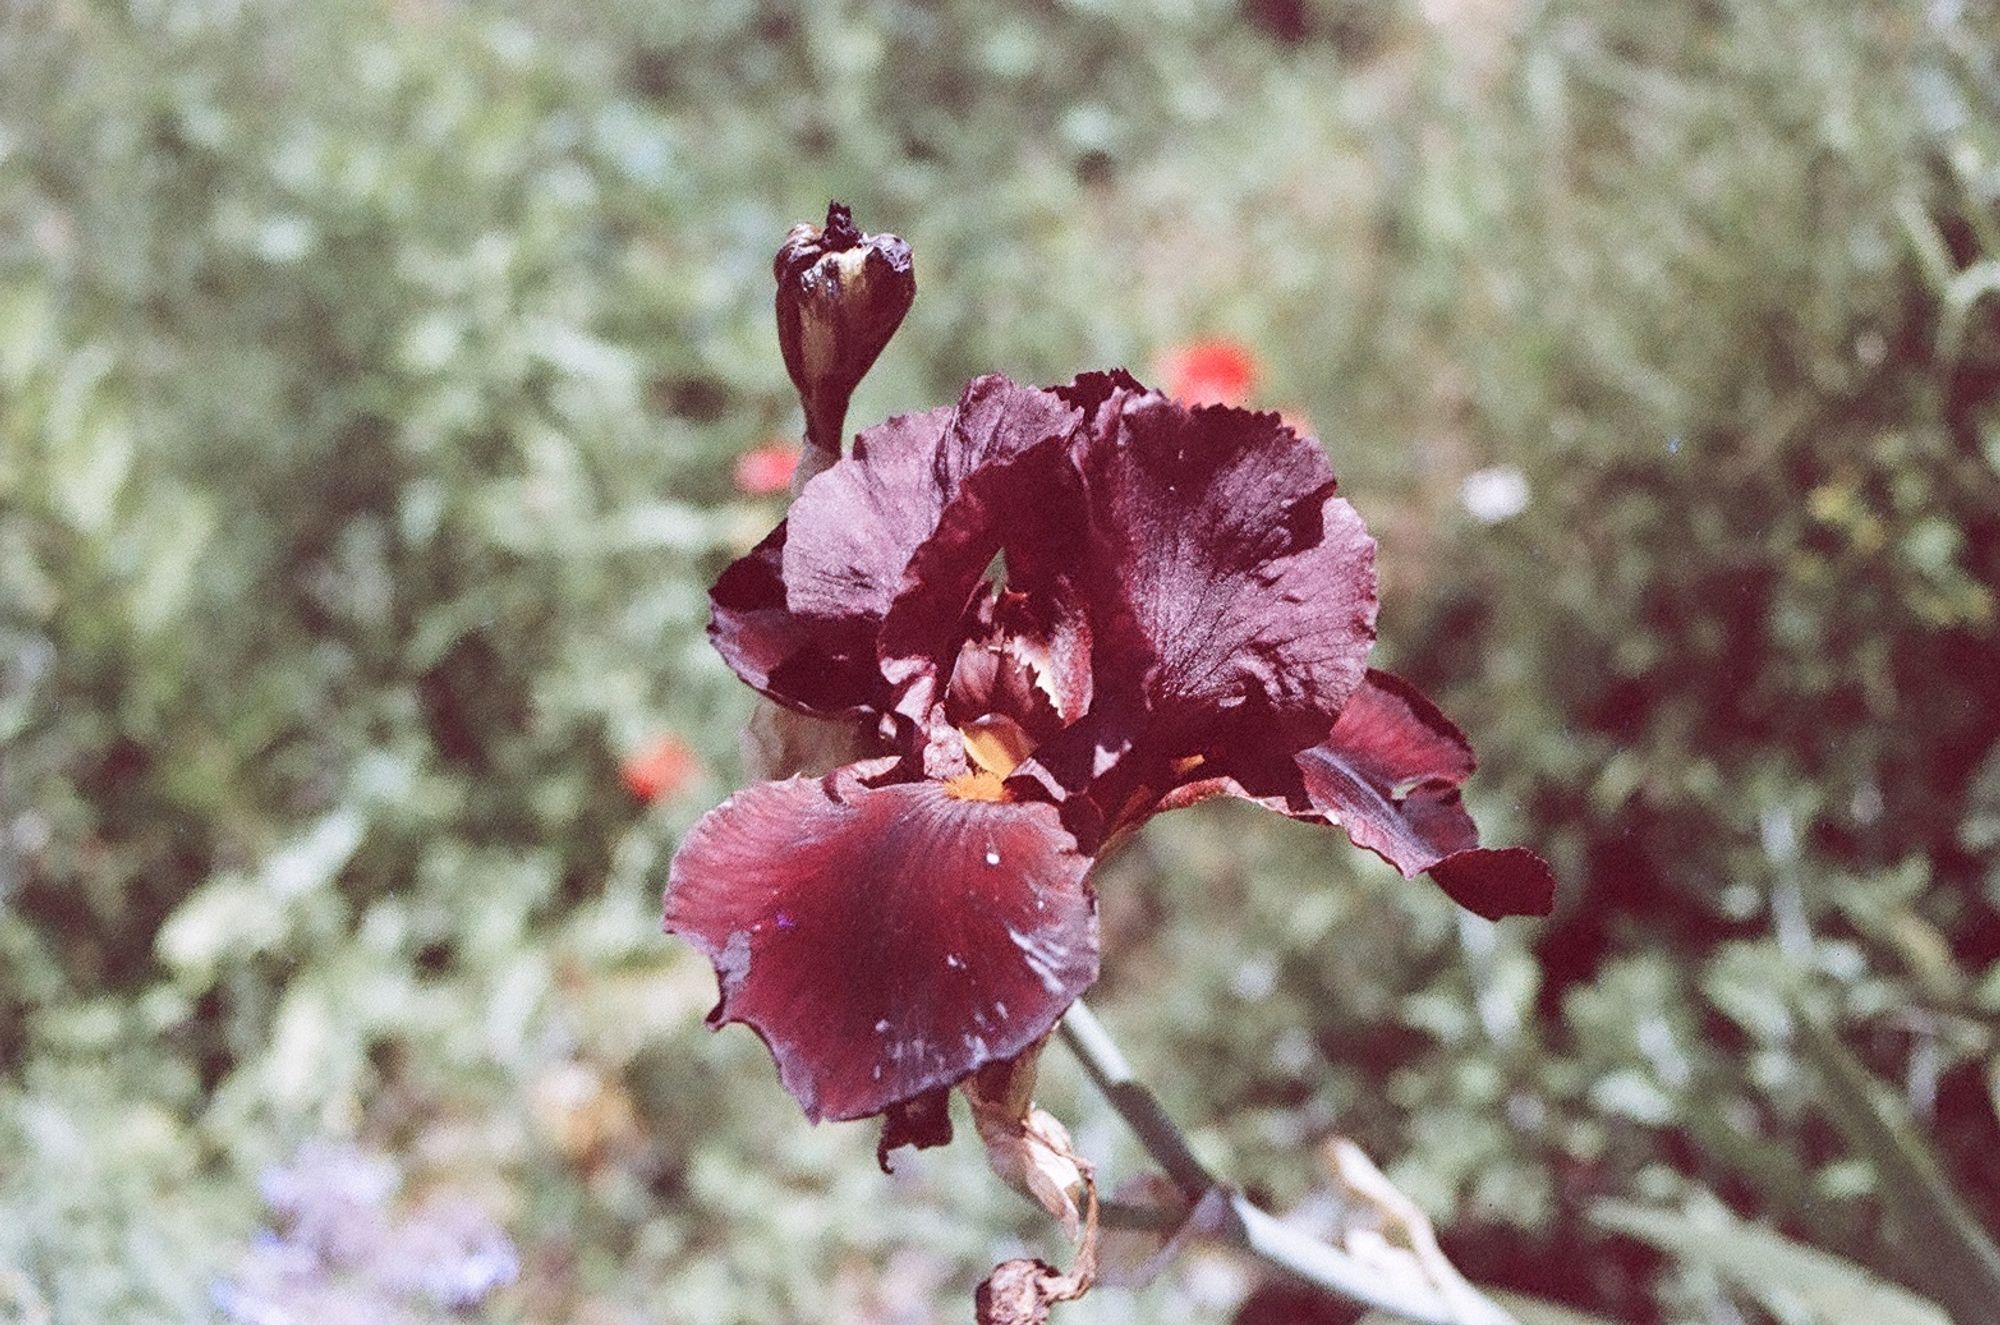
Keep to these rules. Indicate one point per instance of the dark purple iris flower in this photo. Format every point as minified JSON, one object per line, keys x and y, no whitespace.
{"x":1051,"y":614}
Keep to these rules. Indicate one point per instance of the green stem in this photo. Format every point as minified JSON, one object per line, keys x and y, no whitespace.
{"x":1298,"y":1254}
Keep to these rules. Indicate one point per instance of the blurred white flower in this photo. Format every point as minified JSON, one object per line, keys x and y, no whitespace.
{"x":1492,"y":495}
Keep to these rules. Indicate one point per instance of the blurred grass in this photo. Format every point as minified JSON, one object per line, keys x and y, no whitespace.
{"x":370,"y":376}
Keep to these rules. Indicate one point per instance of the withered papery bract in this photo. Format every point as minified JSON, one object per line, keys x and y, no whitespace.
{"x":1062,"y":611}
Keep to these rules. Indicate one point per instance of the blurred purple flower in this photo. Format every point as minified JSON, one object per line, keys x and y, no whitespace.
{"x":347,"y":1255}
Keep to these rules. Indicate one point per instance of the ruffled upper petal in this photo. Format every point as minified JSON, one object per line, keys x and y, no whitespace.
{"x":1025,"y":505}
{"x":800,"y":616}
{"x":855,"y":527}
{"x":1025,"y":659}
{"x":1221,"y":568}
{"x":821,"y":667}
{"x":885,"y":941}
{"x":1230,"y":595}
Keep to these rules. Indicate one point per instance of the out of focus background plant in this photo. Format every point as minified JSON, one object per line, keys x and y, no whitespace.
{"x":381,"y":385}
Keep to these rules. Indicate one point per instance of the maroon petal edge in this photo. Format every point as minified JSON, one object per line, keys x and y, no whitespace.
{"x":1497,"y":882}
{"x":1389,"y":773}
{"x":856,"y":526}
{"x":818,"y":667}
{"x":884,"y":941}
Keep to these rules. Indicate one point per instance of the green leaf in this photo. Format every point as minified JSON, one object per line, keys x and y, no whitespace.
{"x":92,"y":440}
{"x":27,"y":324}
{"x":313,"y":859}
{"x":1946,"y":1248}
{"x":1800,"y":1285}
{"x":178,"y":525}
{"x":228,"y":916}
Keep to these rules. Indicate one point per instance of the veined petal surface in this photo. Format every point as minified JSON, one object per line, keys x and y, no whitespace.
{"x":885,"y":941}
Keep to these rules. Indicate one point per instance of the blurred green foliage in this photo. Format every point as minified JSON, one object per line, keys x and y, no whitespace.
{"x":370,"y":375}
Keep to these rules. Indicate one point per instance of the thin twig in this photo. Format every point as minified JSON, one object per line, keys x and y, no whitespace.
{"x":1296,"y":1253}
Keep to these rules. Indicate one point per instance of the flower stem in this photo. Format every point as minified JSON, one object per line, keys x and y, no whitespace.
{"x":1135,"y":1102}
{"x":1298,"y":1254}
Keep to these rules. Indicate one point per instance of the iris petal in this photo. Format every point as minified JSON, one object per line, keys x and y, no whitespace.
{"x":822,"y":667}
{"x":1222,"y":568}
{"x":799,"y":616}
{"x":1389,"y":773}
{"x":1230,"y":596}
{"x":855,"y":527}
{"x":1026,"y":505}
{"x":885,"y":941}
{"x":1498,"y":882}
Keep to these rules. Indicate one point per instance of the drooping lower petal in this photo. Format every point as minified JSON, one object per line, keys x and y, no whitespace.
{"x":1497,"y":882}
{"x":1389,"y":773}
{"x":885,"y":941}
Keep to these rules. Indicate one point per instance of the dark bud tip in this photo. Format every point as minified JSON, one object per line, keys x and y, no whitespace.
{"x":840,"y":233}
{"x":841,"y":296}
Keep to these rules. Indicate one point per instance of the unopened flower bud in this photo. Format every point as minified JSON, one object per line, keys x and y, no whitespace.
{"x":841,"y":296}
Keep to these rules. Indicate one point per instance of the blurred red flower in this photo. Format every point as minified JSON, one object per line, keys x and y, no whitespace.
{"x":659,"y":770}
{"x":767,"y":469}
{"x":1208,"y":372}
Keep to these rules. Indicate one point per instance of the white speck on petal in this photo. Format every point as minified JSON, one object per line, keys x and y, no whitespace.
{"x":882,"y":1026}
{"x":992,"y":857}
{"x":1043,"y":959}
